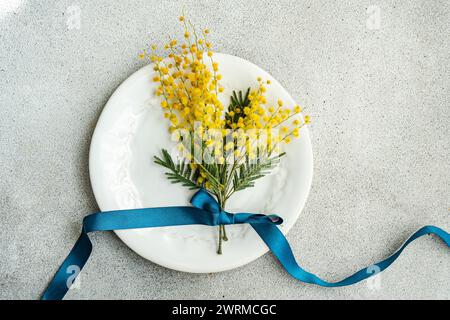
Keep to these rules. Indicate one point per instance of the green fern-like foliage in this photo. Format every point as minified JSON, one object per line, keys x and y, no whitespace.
{"x":237,"y":105}
{"x":178,"y":172}
{"x":182,"y":173}
{"x":220,"y":177}
{"x":247,"y":173}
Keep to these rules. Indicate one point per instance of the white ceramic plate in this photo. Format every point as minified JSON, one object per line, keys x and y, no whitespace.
{"x":132,"y":129}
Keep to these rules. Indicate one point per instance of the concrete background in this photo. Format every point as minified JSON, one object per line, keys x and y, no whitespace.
{"x":380,"y":103}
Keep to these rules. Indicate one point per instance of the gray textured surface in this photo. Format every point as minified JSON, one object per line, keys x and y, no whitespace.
{"x":380,"y":102}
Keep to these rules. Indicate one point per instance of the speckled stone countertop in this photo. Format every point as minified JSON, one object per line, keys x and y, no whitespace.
{"x":373,"y":75}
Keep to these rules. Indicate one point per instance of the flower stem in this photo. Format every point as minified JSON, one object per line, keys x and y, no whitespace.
{"x":222,"y":232}
{"x":219,"y":248}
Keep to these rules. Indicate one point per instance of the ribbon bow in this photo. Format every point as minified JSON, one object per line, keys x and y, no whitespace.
{"x":206,"y":211}
{"x":205,"y":201}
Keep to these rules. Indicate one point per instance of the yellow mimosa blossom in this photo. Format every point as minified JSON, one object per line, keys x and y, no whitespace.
{"x":188,"y":83}
{"x":307,"y":119}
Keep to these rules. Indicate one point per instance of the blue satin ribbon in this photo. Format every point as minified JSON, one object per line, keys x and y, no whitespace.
{"x":206,"y":211}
